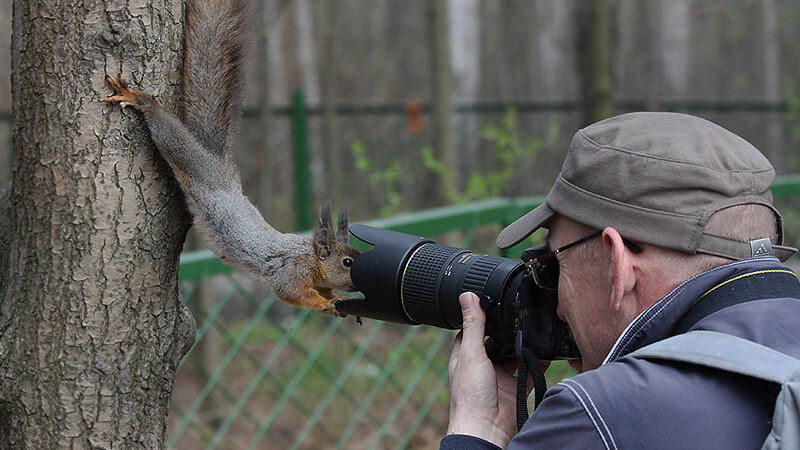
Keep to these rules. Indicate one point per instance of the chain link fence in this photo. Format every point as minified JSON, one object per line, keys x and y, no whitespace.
{"x":260,"y":376}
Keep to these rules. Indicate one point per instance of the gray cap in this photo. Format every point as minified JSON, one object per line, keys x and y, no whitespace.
{"x":656,"y":177}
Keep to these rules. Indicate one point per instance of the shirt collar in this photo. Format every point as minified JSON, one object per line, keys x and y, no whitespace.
{"x":656,"y":322}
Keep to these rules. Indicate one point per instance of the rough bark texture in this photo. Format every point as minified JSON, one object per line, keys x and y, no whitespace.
{"x":91,"y":324}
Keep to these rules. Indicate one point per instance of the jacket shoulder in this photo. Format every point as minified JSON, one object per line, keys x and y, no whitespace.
{"x":635,"y":403}
{"x":565,"y":419}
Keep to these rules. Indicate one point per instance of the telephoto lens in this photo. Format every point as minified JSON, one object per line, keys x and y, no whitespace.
{"x":413,"y":280}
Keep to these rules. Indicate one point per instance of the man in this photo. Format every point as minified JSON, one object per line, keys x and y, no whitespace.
{"x":675,"y":231}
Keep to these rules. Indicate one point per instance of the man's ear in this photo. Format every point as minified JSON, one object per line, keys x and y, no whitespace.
{"x":620,"y":272}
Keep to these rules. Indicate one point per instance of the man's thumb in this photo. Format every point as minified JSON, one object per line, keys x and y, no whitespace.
{"x":474,"y":320}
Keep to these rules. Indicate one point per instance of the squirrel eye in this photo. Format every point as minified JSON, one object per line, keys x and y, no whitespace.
{"x":347,"y":262}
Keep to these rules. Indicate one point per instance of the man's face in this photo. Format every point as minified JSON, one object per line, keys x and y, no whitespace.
{"x":584,"y":290}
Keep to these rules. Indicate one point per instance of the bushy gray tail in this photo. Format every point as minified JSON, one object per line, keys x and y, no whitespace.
{"x":216,"y":45}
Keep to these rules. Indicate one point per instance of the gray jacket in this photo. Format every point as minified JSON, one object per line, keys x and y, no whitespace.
{"x":636,"y":403}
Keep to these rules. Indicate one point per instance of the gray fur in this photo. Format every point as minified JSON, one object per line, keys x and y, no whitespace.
{"x":233,"y":227}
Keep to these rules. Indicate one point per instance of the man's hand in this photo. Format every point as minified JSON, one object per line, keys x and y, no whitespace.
{"x":482,"y":393}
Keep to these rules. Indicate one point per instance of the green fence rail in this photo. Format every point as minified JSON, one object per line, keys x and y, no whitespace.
{"x":265,"y":375}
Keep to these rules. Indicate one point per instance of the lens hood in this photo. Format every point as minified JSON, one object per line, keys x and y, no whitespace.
{"x":377,"y":273}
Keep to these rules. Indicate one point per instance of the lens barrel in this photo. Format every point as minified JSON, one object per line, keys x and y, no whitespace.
{"x":437,"y":274}
{"x":419,"y":290}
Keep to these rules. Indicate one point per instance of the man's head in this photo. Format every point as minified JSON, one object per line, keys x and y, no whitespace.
{"x":676,"y":184}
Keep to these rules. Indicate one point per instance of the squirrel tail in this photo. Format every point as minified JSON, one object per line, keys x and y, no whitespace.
{"x":215,"y":49}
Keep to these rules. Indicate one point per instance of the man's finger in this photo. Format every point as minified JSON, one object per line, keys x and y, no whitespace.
{"x":474,"y":322}
{"x":457,"y":342}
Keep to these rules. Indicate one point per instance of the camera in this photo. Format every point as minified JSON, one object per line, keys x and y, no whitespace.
{"x":413,"y":280}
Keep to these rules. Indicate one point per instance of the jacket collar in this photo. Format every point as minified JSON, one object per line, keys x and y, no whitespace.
{"x":656,"y":322}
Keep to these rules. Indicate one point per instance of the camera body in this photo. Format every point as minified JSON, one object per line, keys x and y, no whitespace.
{"x":413,"y":280}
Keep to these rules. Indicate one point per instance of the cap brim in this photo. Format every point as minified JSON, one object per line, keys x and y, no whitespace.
{"x":524,"y":226}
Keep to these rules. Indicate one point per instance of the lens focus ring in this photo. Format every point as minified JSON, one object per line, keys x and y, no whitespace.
{"x":478,"y":274}
{"x":418,"y":292}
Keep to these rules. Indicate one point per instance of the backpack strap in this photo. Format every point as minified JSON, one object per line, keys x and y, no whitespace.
{"x":754,"y":285}
{"x":723,"y":351}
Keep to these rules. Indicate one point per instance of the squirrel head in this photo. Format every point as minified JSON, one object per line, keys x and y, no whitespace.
{"x":333,"y":252}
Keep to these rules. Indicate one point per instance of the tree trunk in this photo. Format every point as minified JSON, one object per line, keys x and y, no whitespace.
{"x":674,"y":32}
{"x":273,"y":85}
{"x":309,"y":75}
{"x":772,"y":70}
{"x":91,"y":324}
{"x":442,"y":76}
{"x":465,"y":42}
{"x":646,"y":37}
{"x":599,"y":82}
{"x":333,"y":165}
{"x":264,"y":181}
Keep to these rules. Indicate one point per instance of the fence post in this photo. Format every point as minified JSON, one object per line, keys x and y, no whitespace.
{"x":302,"y":176}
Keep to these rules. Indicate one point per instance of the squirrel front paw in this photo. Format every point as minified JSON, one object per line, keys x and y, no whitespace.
{"x":331,"y":309}
{"x":127,"y":96}
{"x":307,"y":297}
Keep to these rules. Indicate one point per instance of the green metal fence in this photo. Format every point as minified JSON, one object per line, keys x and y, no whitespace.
{"x":265,"y":375}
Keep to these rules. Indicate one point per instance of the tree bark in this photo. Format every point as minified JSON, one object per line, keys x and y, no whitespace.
{"x":91,"y":324}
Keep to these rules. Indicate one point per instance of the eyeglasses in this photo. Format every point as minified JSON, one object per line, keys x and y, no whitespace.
{"x":545,"y":269}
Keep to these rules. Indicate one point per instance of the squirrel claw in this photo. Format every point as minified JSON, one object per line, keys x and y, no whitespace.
{"x":125,"y":95}
{"x":331,"y":310}
{"x":118,"y":85}
{"x":123,"y":101}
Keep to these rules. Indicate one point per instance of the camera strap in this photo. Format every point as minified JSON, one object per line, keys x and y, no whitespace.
{"x":745,"y":287}
{"x":528,"y":363}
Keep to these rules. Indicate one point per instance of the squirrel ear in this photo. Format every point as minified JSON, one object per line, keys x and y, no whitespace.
{"x":325,"y":219}
{"x":324,"y":236}
{"x":323,"y":243}
{"x":342,"y":233}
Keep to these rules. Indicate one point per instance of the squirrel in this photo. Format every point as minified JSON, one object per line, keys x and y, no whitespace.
{"x":302,"y":270}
